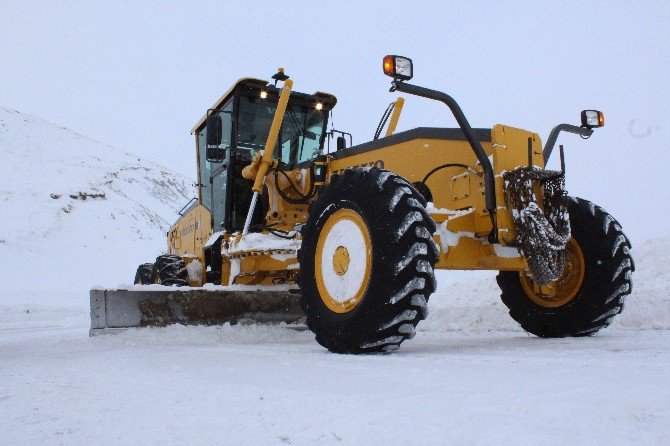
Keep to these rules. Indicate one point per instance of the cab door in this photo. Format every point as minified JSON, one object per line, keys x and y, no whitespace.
{"x":215,"y":188}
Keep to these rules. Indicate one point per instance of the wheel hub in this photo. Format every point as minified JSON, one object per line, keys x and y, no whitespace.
{"x":564,"y":289}
{"x":343,"y":260}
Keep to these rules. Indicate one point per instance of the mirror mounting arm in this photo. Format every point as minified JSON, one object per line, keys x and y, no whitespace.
{"x":584,"y":132}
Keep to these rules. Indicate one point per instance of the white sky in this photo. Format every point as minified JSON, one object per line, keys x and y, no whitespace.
{"x":138,"y":75}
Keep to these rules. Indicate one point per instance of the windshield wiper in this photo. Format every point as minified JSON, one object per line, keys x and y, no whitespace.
{"x":298,"y":129}
{"x":293,"y":118}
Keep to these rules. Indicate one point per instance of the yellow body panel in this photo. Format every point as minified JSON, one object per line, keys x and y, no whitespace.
{"x":263,"y":269}
{"x":258,"y":264}
{"x":414,"y":159}
{"x":188,"y":236}
{"x":510,"y":150}
{"x":454,"y":190}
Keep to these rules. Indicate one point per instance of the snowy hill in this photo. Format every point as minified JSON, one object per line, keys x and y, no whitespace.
{"x":76,"y":212}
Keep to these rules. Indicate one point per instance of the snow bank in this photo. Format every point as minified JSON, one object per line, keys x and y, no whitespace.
{"x":648,"y":306}
{"x":475,"y":305}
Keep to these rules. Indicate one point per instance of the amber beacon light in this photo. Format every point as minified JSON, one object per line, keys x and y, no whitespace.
{"x":398,"y":67}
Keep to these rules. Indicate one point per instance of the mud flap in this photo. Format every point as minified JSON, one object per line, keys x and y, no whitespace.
{"x":113,"y":310}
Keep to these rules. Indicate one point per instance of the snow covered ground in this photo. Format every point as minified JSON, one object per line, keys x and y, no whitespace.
{"x":470,"y":376}
{"x":272,"y":385}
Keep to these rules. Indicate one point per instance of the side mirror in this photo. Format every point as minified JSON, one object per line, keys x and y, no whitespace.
{"x":216,"y":154}
{"x":214,"y":131}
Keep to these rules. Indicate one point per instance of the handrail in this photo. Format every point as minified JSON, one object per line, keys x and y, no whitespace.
{"x":187,"y":205}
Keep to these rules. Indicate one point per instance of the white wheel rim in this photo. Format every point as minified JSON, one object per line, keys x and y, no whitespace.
{"x":344,"y":287}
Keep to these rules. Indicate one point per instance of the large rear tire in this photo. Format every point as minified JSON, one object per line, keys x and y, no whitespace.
{"x":170,"y":270}
{"x":366,"y":262}
{"x":593,"y":288}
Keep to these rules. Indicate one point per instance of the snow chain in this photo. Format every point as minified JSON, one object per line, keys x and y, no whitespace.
{"x":542,"y":236}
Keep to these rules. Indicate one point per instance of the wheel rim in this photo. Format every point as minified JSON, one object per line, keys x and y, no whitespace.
{"x":559,"y":292}
{"x":343,"y":261}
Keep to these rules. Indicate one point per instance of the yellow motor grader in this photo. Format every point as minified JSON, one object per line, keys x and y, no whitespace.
{"x":347,"y":237}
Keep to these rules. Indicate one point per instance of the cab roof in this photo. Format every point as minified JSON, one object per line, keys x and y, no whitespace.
{"x":254,"y":82}
{"x":221,"y":100}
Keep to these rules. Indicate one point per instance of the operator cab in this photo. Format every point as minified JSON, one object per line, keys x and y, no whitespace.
{"x":235,"y":128}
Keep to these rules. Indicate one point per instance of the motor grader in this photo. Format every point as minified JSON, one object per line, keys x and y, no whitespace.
{"x":349,"y":236}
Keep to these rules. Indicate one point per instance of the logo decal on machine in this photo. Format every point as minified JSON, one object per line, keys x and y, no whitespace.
{"x":188,"y":230}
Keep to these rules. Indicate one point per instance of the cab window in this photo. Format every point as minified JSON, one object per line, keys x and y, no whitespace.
{"x":301,"y":134}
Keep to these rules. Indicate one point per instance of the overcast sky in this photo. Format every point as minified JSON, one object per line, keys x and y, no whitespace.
{"x":138,"y":75}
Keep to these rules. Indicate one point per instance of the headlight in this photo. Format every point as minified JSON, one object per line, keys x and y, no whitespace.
{"x":592,"y":119}
{"x":398,"y":67}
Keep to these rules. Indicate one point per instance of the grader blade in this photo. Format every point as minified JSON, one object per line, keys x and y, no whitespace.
{"x":118,"y":309}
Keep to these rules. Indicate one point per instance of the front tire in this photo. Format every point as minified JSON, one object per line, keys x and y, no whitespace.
{"x":366,"y":262}
{"x":591,"y":291}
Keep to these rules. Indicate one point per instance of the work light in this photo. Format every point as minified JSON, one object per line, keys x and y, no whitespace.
{"x":592,"y":119}
{"x":398,"y":67}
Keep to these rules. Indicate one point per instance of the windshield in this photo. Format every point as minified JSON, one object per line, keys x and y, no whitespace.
{"x":300,"y":135}
{"x":255,"y":118}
